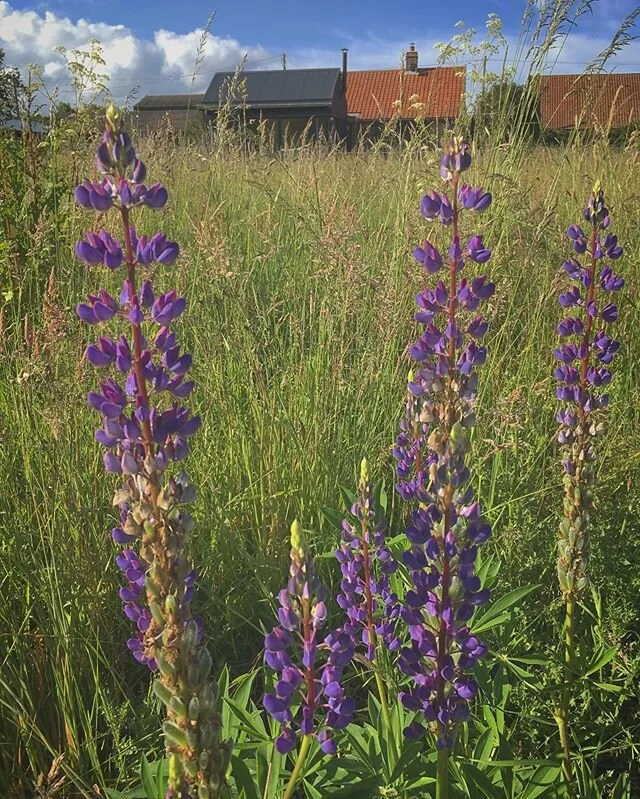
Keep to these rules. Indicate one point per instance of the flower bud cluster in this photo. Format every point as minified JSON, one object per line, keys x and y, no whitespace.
{"x":447,"y":526}
{"x":583,"y":374}
{"x":144,"y":431}
{"x":365,"y":562}
{"x":309,"y":698}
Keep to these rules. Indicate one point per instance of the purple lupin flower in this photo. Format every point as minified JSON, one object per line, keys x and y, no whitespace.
{"x":309,"y":668}
{"x":144,"y":431}
{"x":447,"y":526}
{"x":365,"y":561}
{"x":583,"y":373}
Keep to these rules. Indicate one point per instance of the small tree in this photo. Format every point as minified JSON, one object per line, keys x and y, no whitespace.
{"x":10,"y":90}
{"x":505,"y":110}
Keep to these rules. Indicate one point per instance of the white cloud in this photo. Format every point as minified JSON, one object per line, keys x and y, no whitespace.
{"x":163,"y":64}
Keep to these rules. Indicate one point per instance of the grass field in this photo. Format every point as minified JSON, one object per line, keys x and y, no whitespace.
{"x":300,"y":287}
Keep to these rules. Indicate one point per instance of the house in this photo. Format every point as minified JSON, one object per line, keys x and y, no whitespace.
{"x":179,"y":111}
{"x":587,"y":101}
{"x":282,"y":105}
{"x":379,"y":96}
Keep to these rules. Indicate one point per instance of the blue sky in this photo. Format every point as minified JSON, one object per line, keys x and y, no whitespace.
{"x":152,"y":43}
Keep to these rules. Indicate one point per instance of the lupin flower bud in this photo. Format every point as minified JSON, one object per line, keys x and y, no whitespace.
{"x":144,"y":432}
{"x":365,"y":562}
{"x":447,"y":526}
{"x":309,"y":668}
{"x":583,"y":373}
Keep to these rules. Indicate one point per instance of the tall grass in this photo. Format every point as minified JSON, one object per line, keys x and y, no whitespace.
{"x":301,"y":288}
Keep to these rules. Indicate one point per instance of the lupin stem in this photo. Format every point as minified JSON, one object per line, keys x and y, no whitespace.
{"x":562,"y":712}
{"x":299,"y":765}
{"x":384,"y":704}
{"x":442,"y":784}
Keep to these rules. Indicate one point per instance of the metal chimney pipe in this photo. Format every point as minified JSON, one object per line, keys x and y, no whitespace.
{"x":344,"y":69}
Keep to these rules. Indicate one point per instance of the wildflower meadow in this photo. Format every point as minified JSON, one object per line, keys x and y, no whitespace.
{"x":320,"y":469}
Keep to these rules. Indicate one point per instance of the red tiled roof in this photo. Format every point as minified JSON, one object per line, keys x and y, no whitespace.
{"x":387,"y":93}
{"x":584,"y":100}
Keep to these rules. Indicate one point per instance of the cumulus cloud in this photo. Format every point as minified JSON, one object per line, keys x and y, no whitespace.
{"x":162,"y":64}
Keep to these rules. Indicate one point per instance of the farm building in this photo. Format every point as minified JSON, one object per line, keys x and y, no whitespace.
{"x":587,"y":101}
{"x":379,"y":96}
{"x":329,"y":104}
{"x":282,"y":105}
{"x":179,"y":111}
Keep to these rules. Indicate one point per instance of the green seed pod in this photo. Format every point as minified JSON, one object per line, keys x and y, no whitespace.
{"x":175,"y":770}
{"x":170,"y":605}
{"x":456,"y":589}
{"x":203,"y":760}
{"x":191,"y":768}
{"x":167,"y":669}
{"x":193,"y":709}
{"x":204,"y":665}
{"x":203,"y":791}
{"x":177,"y":706}
{"x":189,"y":637}
{"x":175,"y":735}
{"x":162,"y":692}
{"x":157,"y":614}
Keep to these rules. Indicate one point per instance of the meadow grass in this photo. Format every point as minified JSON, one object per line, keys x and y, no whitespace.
{"x":300,"y":282}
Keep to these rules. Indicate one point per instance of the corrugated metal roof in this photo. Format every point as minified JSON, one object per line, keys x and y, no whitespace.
{"x":380,"y":94}
{"x":168,"y":102}
{"x":585,"y":100}
{"x":277,"y":88}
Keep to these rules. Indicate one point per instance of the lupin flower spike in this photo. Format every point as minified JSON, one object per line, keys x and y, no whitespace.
{"x":309,"y":669}
{"x":447,"y":526}
{"x":144,"y":432}
{"x":583,"y":373}
{"x":366,"y":563}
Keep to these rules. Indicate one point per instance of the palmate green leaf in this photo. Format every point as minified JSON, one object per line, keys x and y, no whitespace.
{"x":600,"y":660}
{"x":269,"y":764}
{"x":622,"y":789}
{"x":498,"y":611}
{"x":381,"y":498}
{"x":348,"y":497}
{"x":360,"y":747}
{"x":311,"y":791}
{"x":610,"y":687}
{"x":162,"y":775}
{"x":488,"y":569}
{"x":478,"y":782}
{"x":419,"y":782}
{"x":486,"y":743}
{"x":148,"y":780}
{"x":333,"y":516}
{"x":251,"y":722}
{"x":524,"y":675}
{"x":409,"y":756}
{"x":362,"y":789}
{"x":243,"y":778}
{"x":544,"y":782}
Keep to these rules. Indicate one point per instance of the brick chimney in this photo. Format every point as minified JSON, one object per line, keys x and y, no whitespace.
{"x":344,"y":69}
{"x":411,"y":59}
